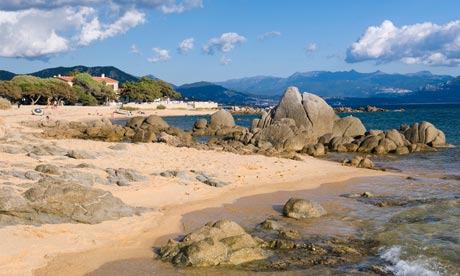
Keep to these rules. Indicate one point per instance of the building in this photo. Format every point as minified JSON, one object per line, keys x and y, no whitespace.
{"x":103,"y":79}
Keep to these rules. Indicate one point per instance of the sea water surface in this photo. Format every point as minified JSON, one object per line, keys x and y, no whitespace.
{"x":421,"y":237}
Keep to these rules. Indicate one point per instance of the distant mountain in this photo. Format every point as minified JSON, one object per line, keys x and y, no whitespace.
{"x":109,"y":71}
{"x":5,"y":75}
{"x":152,"y":77}
{"x":340,"y":84}
{"x":206,"y":91}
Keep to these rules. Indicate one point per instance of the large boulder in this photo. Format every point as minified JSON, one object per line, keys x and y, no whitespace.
{"x":301,"y":208}
{"x":54,"y":201}
{"x":221,"y":119}
{"x":425,"y":133}
{"x":348,"y":126}
{"x":309,"y":112}
{"x":217,"y":243}
{"x":154,"y":121}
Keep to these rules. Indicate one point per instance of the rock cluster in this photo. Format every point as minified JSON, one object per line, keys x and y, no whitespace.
{"x":246,"y":110}
{"x":368,"y":108}
{"x":307,"y":124}
{"x":301,"y":208}
{"x":138,"y":129}
{"x":216,"y":243}
{"x":221,"y":124}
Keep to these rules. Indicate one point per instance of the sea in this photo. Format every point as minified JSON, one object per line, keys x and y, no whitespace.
{"x":419,"y":237}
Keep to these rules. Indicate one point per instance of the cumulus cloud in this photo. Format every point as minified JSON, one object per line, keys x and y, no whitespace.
{"x":224,"y":60}
{"x":135,"y":50}
{"x":423,"y":43}
{"x":160,"y":55}
{"x":268,"y":35}
{"x":225,"y":43}
{"x":185,"y":46}
{"x":312,"y":47}
{"x":40,"y":29}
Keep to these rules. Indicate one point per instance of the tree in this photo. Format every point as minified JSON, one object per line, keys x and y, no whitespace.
{"x":97,"y":90}
{"x":32,"y":87}
{"x":61,"y":90}
{"x":10,"y":90}
{"x":147,"y":90}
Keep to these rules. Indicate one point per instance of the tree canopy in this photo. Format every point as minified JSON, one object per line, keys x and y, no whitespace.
{"x":91,"y":92}
{"x":147,"y":90}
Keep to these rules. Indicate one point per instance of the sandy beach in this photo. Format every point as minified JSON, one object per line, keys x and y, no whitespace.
{"x":77,"y":249}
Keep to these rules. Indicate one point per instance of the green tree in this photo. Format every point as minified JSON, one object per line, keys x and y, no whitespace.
{"x":61,"y":91}
{"x":147,"y":90}
{"x":10,"y":90}
{"x":97,"y":90}
{"x":32,"y":87}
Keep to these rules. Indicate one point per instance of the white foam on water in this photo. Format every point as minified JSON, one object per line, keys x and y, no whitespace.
{"x":418,"y":267}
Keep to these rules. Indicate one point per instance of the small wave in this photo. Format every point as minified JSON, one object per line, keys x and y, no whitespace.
{"x":418,"y":267}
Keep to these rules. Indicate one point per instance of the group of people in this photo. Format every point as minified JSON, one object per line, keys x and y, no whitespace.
{"x":55,"y":103}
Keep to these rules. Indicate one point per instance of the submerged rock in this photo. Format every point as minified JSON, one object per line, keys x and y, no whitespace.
{"x":217,"y":243}
{"x":301,"y":208}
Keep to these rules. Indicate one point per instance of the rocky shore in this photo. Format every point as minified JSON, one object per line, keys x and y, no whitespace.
{"x":368,"y":108}
{"x":76,"y":180}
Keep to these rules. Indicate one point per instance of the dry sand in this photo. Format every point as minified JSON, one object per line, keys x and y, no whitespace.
{"x":76,"y":249}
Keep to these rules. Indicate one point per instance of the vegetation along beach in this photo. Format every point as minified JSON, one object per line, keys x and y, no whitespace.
{"x":195,"y":137}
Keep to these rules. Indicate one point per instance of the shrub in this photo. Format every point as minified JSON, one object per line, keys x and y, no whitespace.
{"x":4,"y":104}
{"x":161,"y":107}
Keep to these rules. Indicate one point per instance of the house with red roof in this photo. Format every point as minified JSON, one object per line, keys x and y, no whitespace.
{"x":103,"y":79}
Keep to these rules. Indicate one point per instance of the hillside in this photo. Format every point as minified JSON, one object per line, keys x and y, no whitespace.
{"x":206,"y":91}
{"x":6,"y":75}
{"x":340,"y":84}
{"x":109,"y":71}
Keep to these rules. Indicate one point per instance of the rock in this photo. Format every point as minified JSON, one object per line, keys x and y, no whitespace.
{"x":402,"y":150}
{"x":209,"y":181}
{"x":135,"y":122}
{"x":144,"y":136}
{"x":48,"y":169}
{"x":270,"y":225}
{"x":79,"y":155}
{"x":44,"y":150}
{"x":222,"y":118}
{"x":31,"y":175}
{"x":168,"y":139}
{"x":316,"y":150}
{"x":53,"y":201}
{"x":118,"y":146}
{"x":369,"y":143}
{"x":155,"y":121}
{"x":217,"y":243}
{"x":339,"y":140}
{"x":425,"y":133}
{"x":362,"y":162}
{"x":309,"y":112}
{"x":301,"y":208}
{"x":201,"y":124}
{"x":123,"y":176}
{"x":348,"y":126}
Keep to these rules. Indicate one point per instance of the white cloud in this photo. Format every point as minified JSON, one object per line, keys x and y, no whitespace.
{"x":423,"y":43}
{"x":186,"y":46}
{"x":268,"y":35}
{"x":135,"y":50}
{"x":160,"y":55}
{"x":40,"y":29}
{"x":224,"y":60}
{"x":225,"y":43}
{"x":166,"y":6}
{"x":94,"y":31}
{"x":312,"y":47}
{"x":37,"y":33}
{"x":181,"y":7}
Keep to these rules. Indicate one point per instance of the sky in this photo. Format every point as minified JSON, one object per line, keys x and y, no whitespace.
{"x":184,"y":41}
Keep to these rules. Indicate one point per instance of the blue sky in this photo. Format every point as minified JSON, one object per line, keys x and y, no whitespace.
{"x":225,"y":39}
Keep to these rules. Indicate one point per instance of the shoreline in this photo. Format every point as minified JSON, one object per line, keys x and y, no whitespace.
{"x":77,"y":249}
